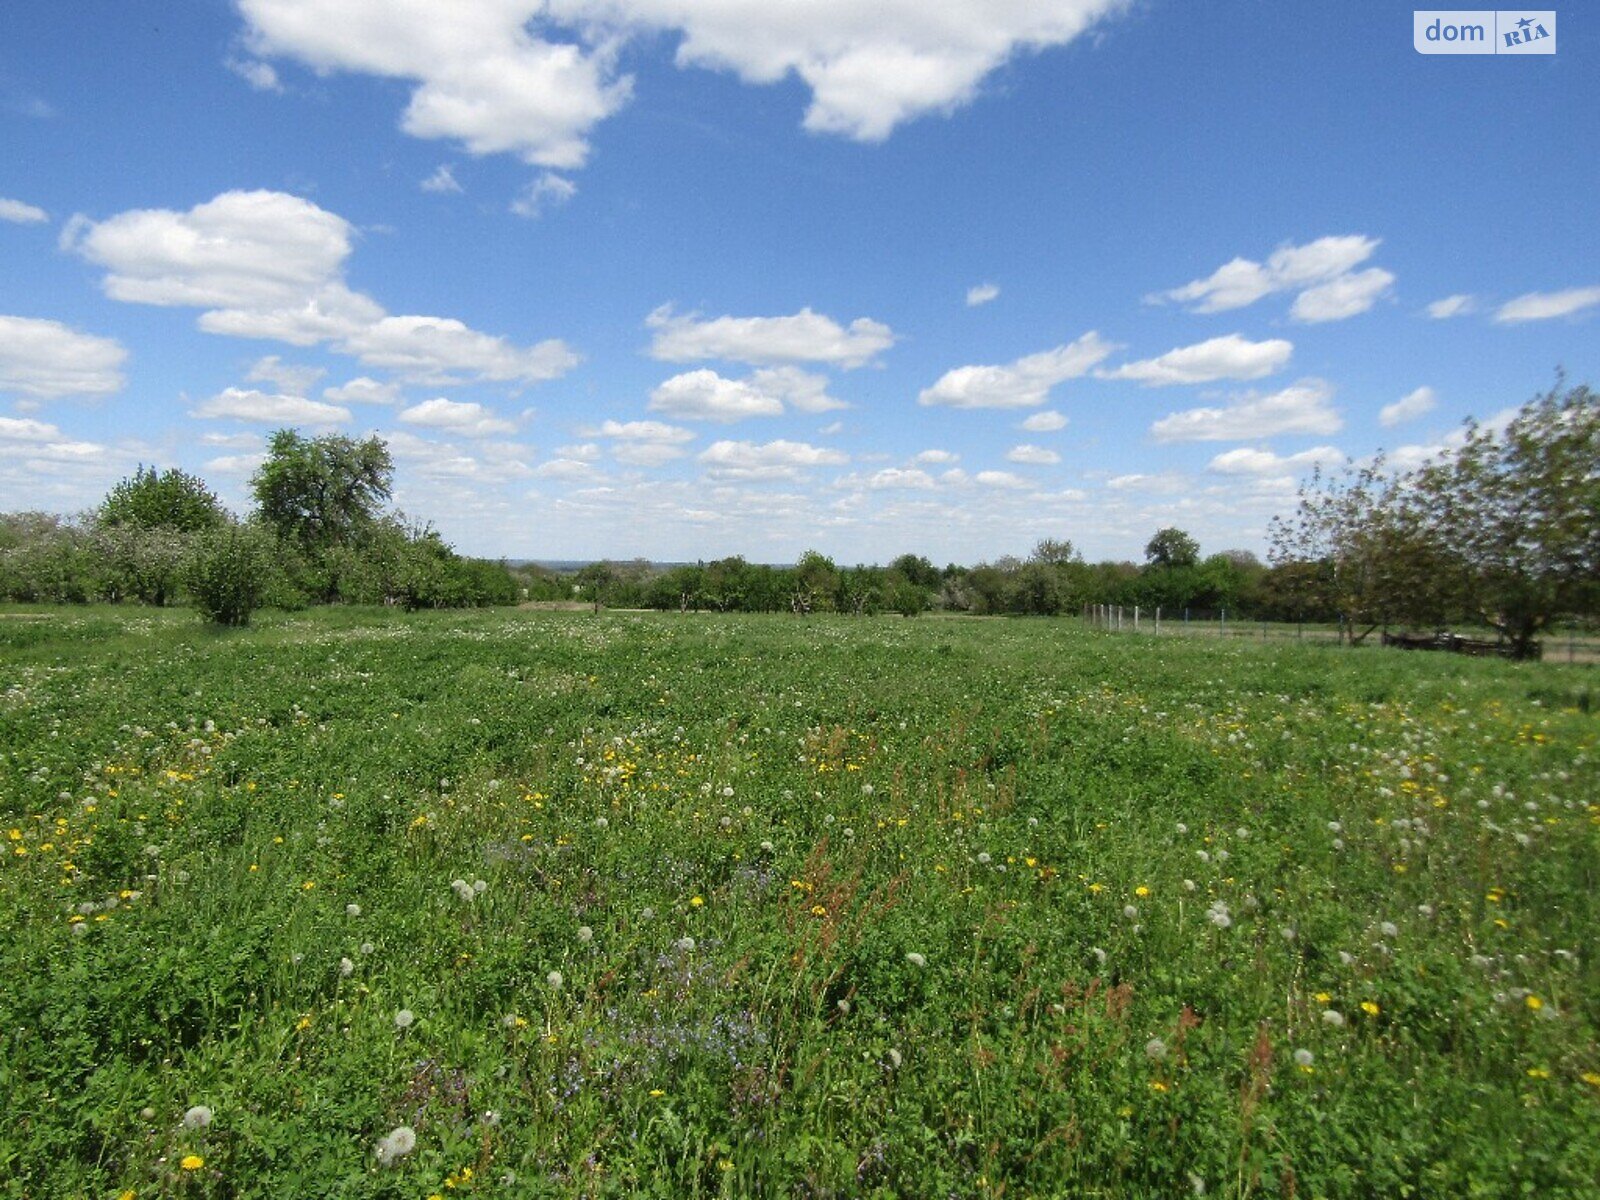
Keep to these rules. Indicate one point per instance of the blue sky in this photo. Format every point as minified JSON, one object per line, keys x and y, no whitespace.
{"x":688,"y":278}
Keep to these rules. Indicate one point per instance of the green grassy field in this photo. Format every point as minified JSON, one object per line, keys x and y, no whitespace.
{"x":358,"y":904}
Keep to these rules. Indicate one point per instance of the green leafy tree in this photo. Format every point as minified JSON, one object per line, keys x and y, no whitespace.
{"x":1172,"y":548}
{"x":228,"y":572}
{"x":170,"y":499}
{"x":323,"y":491}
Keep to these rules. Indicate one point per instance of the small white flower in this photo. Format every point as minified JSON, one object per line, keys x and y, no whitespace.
{"x":395,"y":1145}
{"x":198,"y":1117}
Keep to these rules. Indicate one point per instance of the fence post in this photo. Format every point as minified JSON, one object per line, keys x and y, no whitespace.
{"x":1136,"y":618}
{"x":1222,"y":621}
{"x":1158,"y":620}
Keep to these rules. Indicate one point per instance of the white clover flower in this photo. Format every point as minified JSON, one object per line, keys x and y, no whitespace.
{"x":1155,"y":1049}
{"x":198,"y":1117}
{"x":404,"y":1019}
{"x":554,"y":979}
{"x":916,"y":960}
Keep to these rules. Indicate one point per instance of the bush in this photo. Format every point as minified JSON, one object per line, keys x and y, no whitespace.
{"x":229,"y":571}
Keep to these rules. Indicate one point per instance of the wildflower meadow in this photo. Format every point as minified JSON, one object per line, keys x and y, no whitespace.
{"x":358,"y":903}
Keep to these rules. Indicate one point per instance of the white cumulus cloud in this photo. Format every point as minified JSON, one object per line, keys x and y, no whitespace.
{"x":704,"y":395}
{"x":1452,"y":306}
{"x":290,"y":378}
{"x":533,"y":77}
{"x":362,"y":390}
{"x":1228,"y":357}
{"x":1245,"y":461}
{"x":247,"y":404}
{"x":1321,"y":271}
{"x":467,"y":418}
{"x":1409,"y":407}
{"x":270,"y":265}
{"x":21,"y":214}
{"x":1545,"y":306}
{"x":1048,"y":421}
{"x":1302,"y":407}
{"x":805,"y":336}
{"x":981,"y":294}
{"x":1346,"y":296}
{"x":771,"y":460}
{"x":46,"y":360}
{"x":1020,"y":384}
{"x":1033,"y":455}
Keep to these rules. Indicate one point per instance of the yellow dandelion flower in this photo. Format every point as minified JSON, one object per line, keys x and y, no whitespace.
{"x":1534,"y":1003}
{"x":696,"y":901}
{"x":1538,"y":1073}
{"x":657,"y":1093}
{"x":1592,"y":1078}
{"x":1371,"y":1009}
{"x":1141,"y":890}
{"x":192,"y":1162}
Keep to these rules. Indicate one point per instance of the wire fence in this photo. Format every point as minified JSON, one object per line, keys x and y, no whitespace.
{"x":1566,"y":642}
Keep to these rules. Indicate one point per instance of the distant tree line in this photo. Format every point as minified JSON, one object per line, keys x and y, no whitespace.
{"x":1502,"y":530}
{"x":318,"y":533}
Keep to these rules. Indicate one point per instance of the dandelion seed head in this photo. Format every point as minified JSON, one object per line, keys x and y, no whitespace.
{"x":554,"y":979}
{"x":1304,"y":1058}
{"x":916,"y":960}
{"x":347,"y":968}
{"x":585,"y":934}
{"x":1155,"y":1049}
{"x":404,"y":1019}
{"x":352,"y":910}
{"x":198,"y":1117}
{"x":1333,"y":1017}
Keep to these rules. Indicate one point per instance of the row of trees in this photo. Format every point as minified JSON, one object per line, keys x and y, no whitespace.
{"x":318,"y":533}
{"x":1053,"y":579}
{"x":1502,"y":530}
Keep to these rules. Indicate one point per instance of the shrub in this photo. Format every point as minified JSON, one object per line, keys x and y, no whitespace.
{"x":229,"y":571}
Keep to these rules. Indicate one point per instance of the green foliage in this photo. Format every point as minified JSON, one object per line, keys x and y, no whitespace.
{"x":322,"y":492}
{"x":1172,"y":548}
{"x":228,"y":572}
{"x":170,"y":499}
{"x":856,"y":896}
